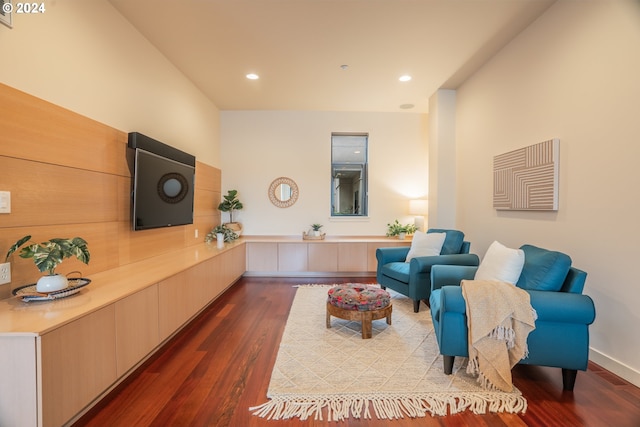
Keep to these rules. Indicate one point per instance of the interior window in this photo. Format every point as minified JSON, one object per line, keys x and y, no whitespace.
{"x":349,"y":174}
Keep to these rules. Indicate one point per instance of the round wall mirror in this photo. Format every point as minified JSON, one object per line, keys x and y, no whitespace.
{"x":283,"y":192}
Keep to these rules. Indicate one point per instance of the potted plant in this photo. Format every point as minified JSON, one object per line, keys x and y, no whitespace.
{"x":397,"y":229}
{"x":230,"y":204}
{"x":316,"y":229}
{"x":228,"y":234}
{"x":48,"y":255}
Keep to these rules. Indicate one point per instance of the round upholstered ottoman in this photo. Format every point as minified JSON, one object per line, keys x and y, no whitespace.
{"x":358,"y":302}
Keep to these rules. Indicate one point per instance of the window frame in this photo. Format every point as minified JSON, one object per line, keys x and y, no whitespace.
{"x":360,"y":206}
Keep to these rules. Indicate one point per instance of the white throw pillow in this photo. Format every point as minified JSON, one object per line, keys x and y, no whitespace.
{"x":501,"y":263}
{"x":426,"y":244}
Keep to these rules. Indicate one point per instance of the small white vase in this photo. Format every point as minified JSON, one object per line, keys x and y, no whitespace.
{"x":52,"y":283}
{"x":220,"y":239}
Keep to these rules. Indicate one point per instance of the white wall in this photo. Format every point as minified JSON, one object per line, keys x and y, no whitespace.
{"x":259,"y":146}
{"x":84,"y":56}
{"x":442,"y":159}
{"x":571,"y":75}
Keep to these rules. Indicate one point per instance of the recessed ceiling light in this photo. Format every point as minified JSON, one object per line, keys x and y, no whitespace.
{"x":344,"y":66}
{"x":407,"y":106}
{"x":252,"y":76}
{"x":405,"y":78}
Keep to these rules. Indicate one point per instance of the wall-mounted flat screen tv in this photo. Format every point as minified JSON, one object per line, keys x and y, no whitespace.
{"x":163,"y":183}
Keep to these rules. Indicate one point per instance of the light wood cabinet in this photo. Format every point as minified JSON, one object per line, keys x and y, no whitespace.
{"x":323,"y":257}
{"x":136,"y":328}
{"x":58,"y":358}
{"x":292,"y":257}
{"x":78,"y":363}
{"x":285,"y":256}
{"x":183,"y":295}
{"x":18,"y":373}
{"x":262,"y":256}
{"x":175,"y":304}
{"x":352,"y":257}
{"x":234,"y":264}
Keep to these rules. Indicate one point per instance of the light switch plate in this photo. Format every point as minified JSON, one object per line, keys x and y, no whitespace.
{"x":5,"y":273}
{"x":5,"y":202}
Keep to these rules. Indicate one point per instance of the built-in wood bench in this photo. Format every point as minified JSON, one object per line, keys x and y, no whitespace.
{"x":333,"y":256}
{"x":60,"y":357}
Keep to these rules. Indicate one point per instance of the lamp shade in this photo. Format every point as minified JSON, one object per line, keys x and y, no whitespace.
{"x":418,"y":207}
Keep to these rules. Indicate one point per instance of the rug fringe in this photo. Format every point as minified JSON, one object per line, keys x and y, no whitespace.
{"x":339,"y":408}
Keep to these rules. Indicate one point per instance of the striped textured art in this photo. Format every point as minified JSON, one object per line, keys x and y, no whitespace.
{"x":527,"y":179}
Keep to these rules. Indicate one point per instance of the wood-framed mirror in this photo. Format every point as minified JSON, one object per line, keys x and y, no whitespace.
{"x":283,"y":192}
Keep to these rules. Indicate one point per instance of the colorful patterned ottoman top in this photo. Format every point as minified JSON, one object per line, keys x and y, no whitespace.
{"x":358,"y":297}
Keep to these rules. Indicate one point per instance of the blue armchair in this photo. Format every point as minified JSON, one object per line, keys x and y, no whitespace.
{"x":561,"y":337}
{"x":413,"y":279}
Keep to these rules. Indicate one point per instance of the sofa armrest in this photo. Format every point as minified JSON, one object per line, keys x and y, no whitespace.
{"x":452,"y":300}
{"x":563,"y":307}
{"x":423,"y":264}
{"x":558,"y":307}
{"x":442,"y":275}
{"x":394,"y":254}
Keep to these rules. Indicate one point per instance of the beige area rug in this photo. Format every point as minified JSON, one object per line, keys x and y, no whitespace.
{"x":334,"y":374}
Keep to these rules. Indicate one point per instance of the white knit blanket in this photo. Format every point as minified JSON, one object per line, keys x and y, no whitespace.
{"x":499,"y":319}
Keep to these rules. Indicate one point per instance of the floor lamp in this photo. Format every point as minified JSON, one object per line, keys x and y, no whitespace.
{"x":419,"y":208}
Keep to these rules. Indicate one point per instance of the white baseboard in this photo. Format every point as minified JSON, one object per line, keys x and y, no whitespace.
{"x":308,"y":274}
{"x":616,"y":367}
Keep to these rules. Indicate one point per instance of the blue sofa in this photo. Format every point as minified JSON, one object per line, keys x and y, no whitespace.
{"x":561,"y":337}
{"x":413,"y":279}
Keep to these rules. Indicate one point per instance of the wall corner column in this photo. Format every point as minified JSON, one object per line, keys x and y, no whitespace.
{"x":442,"y":159}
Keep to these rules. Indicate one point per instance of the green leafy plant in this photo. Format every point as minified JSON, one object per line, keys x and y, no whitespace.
{"x":229,"y":234}
{"x":16,"y":245}
{"x":316,"y":227}
{"x":48,"y":255}
{"x":230,"y":203}
{"x":395,"y":228}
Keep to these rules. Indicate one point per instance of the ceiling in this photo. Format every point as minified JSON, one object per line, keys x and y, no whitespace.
{"x":299,"y":48}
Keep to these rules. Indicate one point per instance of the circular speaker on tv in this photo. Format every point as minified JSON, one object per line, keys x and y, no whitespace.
{"x":173,"y":187}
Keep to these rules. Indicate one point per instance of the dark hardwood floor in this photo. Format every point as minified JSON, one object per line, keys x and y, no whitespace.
{"x":220,"y":365}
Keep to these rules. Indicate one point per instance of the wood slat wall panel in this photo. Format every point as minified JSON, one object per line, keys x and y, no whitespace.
{"x":44,"y":194}
{"x":148,"y":243}
{"x":68,"y":176}
{"x":208,"y":178}
{"x":124,"y":198}
{"x":37,"y":130}
{"x":205,"y":202}
{"x":203,"y":224}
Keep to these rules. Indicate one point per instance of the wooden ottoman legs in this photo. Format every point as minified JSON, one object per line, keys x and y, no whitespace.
{"x":365,"y":317}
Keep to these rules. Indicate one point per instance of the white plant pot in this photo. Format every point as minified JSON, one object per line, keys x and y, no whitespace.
{"x":316,"y":232}
{"x":220,"y":239}
{"x":402,"y":236}
{"x":52,"y":283}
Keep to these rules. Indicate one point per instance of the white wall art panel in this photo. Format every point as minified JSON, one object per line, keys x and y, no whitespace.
{"x":527,"y":179}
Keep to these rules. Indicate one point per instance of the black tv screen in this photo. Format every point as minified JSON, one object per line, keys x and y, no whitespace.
{"x":163,"y":184}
